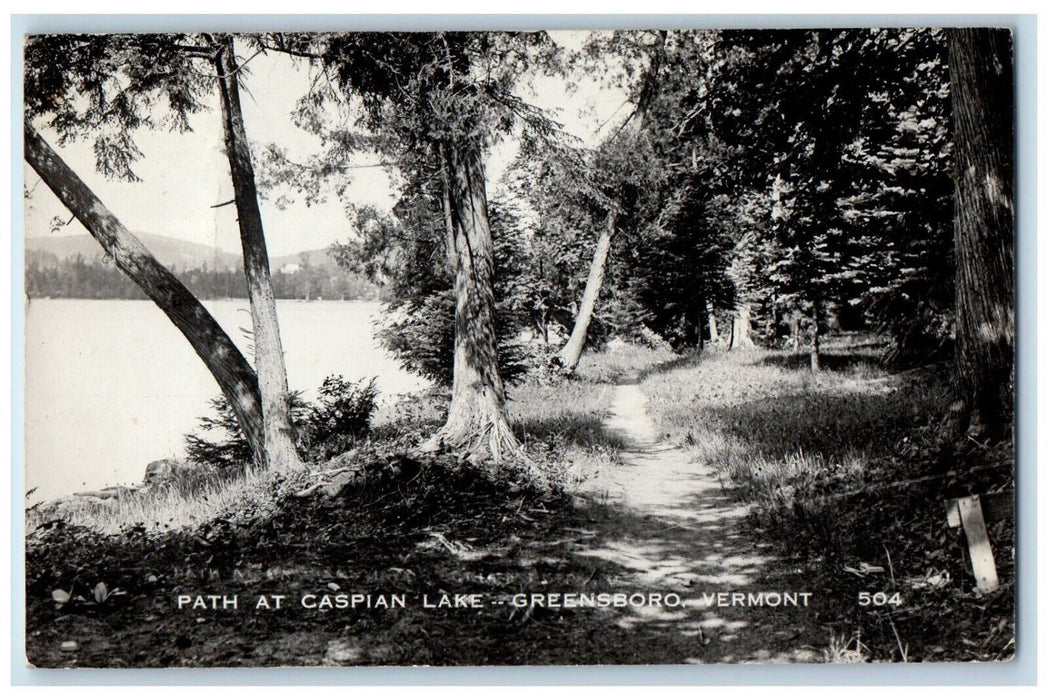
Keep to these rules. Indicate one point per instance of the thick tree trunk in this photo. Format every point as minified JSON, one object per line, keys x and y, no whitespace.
{"x":477,"y":425}
{"x":227,"y":365}
{"x":711,"y":319}
{"x":981,"y":84}
{"x":740,"y":328}
{"x":572,"y":351}
{"x":269,"y":353}
{"x":449,"y":217}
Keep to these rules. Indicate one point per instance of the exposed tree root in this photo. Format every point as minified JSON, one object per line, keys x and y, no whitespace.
{"x":477,"y":441}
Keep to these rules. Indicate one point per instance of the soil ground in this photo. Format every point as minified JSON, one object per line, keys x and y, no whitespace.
{"x":674,"y":526}
{"x":657,"y":524}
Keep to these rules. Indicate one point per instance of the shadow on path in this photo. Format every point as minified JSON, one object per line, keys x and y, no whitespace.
{"x":673,"y":527}
{"x":656,"y":524}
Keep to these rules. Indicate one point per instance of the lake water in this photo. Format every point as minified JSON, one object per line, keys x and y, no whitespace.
{"x":111,"y":385}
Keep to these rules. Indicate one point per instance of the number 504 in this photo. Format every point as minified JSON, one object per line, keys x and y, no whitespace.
{"x":880,"y":598}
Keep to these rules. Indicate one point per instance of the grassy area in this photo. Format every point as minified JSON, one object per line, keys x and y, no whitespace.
{"x":620,"y":360}
{"x":561,"y":426}
{"x":847,"y":470}
{"x":774,"y":427}
{"x":559,"y":423}
{"x":184,"y":504}
{"x":411,"y":527}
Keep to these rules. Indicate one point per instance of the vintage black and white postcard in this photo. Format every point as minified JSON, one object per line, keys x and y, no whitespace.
{"x":689,"y":346}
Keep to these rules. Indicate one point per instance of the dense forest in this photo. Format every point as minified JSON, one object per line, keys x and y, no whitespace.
{"x":722,"y":208}
{"x":755,"y":329}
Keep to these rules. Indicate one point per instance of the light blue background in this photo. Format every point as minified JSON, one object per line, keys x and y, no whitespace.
{"x":1020,"y":671}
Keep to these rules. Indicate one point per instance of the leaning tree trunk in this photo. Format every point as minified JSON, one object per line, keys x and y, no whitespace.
{"x":572,"y":351}
{"x":476,"y":425}
{"x":269,"y":354}
{"x":227,"y":365}
{"x":740,"y":328}
{"x":981,"y":85}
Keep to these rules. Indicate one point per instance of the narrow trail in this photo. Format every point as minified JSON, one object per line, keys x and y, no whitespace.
{"x":672,"y":524}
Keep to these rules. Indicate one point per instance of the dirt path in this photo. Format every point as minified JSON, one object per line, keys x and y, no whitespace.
{"x":659,"y":524}
{"x":672,"y":524}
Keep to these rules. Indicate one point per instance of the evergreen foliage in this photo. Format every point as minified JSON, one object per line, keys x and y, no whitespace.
{"x":341,"y":416}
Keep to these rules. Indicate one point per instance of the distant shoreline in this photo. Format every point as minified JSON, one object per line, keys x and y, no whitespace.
{"x":37,"y":297}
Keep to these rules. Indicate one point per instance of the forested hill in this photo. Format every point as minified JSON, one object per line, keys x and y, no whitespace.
{"x":174,"y":253}
{"x":76,"y":267}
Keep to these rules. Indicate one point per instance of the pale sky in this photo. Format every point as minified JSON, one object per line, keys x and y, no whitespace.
{"x":183,"y":175}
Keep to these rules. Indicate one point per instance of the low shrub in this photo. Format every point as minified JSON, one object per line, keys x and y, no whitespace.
{"x":341,"y":416}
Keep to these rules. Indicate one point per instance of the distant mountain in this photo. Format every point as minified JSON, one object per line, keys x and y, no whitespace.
{"x":319,"y":258}
{"x":174,"y":253}
{"x":74,"y":267}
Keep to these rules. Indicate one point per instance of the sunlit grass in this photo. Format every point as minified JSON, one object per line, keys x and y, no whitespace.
{"x":776,"y":429}
{"x":846,"y":650}
{"x":561,"y":425}
{"x":845,"y":467}
{"x":620,"y":360}
{"x":181,"y":505}
{"x":568,"y":412}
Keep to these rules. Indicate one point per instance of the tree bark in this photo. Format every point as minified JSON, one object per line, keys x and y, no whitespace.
{"x":740,"y":328}
{"x":541,"y":324}
{"x":816,"y":362}
{"x":981,"y":86}
{"x":816,"y":331}
{"x":227,"y":365}
{"x":269,"y":353}
{"x":571,"y":353}
{"x":795,"y":325}
{"x":477,"y":425}
{"x":711,"y":319}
